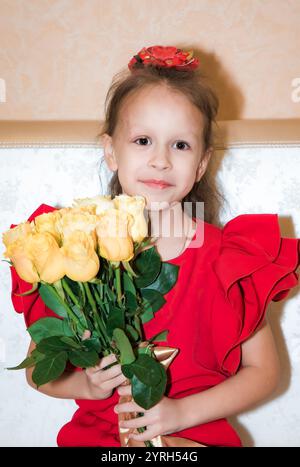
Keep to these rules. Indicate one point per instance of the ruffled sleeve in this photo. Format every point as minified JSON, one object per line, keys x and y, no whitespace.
{"x":32,"y":306}
{"x":254,"y":266}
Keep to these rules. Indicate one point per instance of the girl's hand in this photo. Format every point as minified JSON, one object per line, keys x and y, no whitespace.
{"x":101,"y":382}
{"x":162,"y":419}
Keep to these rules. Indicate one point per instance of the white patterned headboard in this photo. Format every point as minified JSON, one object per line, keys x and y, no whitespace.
{"x":257,"y":164}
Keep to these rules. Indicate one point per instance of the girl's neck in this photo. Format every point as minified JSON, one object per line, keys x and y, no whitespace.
{"x":173,"y":228}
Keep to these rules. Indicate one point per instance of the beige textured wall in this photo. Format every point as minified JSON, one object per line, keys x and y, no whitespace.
{"x":57,"y":57}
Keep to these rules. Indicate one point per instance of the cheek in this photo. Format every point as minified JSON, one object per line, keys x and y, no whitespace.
{"x":187,"y":173}
{"x":128,"y":168}
{"x":128,"y":174}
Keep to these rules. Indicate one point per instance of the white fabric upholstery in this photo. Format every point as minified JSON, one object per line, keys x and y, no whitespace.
{"x":255,"y":180}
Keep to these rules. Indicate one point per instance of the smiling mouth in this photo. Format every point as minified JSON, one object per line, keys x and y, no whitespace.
{"x":157,"y":185}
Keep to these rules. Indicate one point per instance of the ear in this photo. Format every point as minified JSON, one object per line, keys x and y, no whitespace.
{"x":109,"y":154}
{"x":203,"y":164}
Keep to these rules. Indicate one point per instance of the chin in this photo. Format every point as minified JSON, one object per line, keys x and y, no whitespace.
{"x":158,"y":205}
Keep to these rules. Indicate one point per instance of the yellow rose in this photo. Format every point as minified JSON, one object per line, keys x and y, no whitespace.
{"x":15,"y":240}
{"x":46,"y":256}
{"x":114,"y":241}
{"x":74,"y":219}
{"x":81,"y":261}
{"x":134,"y":205}
{"x":89,"y":208}
{"x":18,"y":253}
{"x":100,"y":203}
{"x":18,"y":232}
{"x":49,"y":222}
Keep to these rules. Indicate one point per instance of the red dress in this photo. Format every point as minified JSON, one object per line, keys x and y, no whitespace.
{"x":219,"y":300}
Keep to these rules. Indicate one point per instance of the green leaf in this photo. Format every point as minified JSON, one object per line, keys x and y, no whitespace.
{"x":123,"y":344}
{"x":133,"y":333}
{"x":116,"y":319}
{"x":71,"y":342}
{"x":36,"y":355}
{"x":27,"y":363}
{"x":80,"y":315}
{"x":47,"y":327}
{"x":147,"y":370}
{"x":110,"y":294}
{"x":146,"y":350}
{"x":152,"y":300}
{"x":138,"y":325}
{"x":51,"y":345}
{"x":131,"y":302}
{"x":161,"y":336}
{"x":50,"y":368}
{"x":128,"y":283}
{"x":148,"y":395}
{"x":147,"y":316}
{"x":166,"y":279}
{"x":127,"y":371}
{"x":92,"y":344}
{"x":67,"y":331}
{"x":52,"y":300}
{"x":83,"y":359}
{"x":147,"y":266}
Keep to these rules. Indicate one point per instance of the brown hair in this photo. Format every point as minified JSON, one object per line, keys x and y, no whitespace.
{"x":193,"y":85}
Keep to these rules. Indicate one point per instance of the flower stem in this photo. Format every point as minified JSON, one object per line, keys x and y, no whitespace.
{"x":100,"y":313}
{"x":72,"y":316}
{"x":70,"y":293}
{"x":98,"y":323}
{"x":97,"y":296}
{"x":118,"y":284}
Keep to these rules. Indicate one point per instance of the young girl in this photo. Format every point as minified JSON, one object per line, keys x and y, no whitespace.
{"x":158,"y":141}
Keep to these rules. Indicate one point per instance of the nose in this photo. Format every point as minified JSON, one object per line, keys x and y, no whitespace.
{"x":160,"y":159}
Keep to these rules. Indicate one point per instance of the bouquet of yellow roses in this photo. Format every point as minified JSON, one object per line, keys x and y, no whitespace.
{"x":95,"y":266}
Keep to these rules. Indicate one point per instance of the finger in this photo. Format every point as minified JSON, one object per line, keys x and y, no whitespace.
{"x":105,"y":361}
{"x":86,"y":335}
{"x":128,"y":407}
{"x":110,"y":373}
{"x":147,"y":435}
{"x":112,"y":383}
{"x":108,"y":360}
{"x":137,"y":422}
{"x":125,"y":390}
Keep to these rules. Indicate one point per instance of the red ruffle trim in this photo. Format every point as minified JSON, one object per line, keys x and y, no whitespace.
{"x":255,"y":265}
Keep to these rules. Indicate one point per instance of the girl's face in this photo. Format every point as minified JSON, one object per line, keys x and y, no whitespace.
{"x":158,"y":136}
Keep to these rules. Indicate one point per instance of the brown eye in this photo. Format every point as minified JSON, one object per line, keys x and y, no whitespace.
{"x":142,"y":139}
{"x":182,"y":143}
